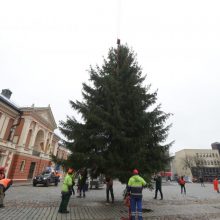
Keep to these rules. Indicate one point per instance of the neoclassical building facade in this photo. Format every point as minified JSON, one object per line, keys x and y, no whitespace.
{"x":27,"y":138}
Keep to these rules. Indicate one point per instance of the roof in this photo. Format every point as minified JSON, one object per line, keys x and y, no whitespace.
{"x":9,"y":103}
{"x":45,"y":113}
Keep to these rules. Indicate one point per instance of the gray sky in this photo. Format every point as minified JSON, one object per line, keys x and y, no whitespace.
{"x":46,"y":46}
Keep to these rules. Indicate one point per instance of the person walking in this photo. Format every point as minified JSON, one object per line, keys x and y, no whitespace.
{"x":135,"y":187}
{"x":158,"y":186}
{"x":66,"y":191}
{"x":82,"y":183}
{"x":182,"y":183}
{"x":4,"y":185}
{"x":73,"y":178}
{"x":215,"y":184}
{"x":202,"y":181}
{"x":109,"y":188}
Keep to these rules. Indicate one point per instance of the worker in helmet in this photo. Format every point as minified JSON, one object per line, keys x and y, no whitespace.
{"x":66,"y":191}
{"x":135,"y":187}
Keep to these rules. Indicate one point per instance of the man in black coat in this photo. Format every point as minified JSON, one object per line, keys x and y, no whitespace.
{"x":158,"y":186}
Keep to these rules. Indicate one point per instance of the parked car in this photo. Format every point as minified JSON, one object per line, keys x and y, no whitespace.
{"x":97,"y":183}
{"x":46,"y":178}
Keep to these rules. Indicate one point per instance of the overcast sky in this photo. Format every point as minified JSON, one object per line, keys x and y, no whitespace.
{"x":47,"y":46}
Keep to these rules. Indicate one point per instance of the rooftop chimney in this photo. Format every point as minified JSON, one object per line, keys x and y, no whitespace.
{"x":6,"y":93}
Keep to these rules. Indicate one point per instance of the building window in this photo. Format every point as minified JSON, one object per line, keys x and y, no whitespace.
{"x":213,"y":154}
{"x":22,"y":165}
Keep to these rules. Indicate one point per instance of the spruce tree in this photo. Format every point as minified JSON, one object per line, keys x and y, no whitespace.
{"x":122,"y":127}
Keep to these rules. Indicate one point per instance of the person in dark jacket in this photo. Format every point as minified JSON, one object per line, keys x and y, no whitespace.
{"x":82,"y":182}
{"x":158,"y":186}
{"x":201,"y":181}
{"x":109,"y":188}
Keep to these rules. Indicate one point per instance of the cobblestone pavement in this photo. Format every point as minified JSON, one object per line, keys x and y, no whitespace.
{"x":27,"y":202}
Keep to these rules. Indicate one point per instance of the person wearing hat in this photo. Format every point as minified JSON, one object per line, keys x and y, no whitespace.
{"x":135,"y":187}
{"x":66,"y":191}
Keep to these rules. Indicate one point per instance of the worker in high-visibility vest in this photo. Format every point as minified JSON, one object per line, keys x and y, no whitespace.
{"x":135,"y":187}
{"x":66,"y":191}
{"x":4,"y":185}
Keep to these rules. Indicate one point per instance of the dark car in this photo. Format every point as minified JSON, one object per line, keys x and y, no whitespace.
{"x":46,"y":178}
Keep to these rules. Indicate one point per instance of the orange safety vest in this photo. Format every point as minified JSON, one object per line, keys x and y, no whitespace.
{"x":5,"y":182}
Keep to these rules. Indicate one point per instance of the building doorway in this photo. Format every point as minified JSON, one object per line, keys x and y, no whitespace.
{"x":31,"y":170}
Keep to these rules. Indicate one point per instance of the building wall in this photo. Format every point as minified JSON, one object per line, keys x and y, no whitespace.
{"x":9,"y":117}
{"x":32,"y":135}
{"x":209,"y":158}
{"x":18,"y":172}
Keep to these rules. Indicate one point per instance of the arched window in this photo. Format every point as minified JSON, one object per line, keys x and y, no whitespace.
{"x":39,"y":141}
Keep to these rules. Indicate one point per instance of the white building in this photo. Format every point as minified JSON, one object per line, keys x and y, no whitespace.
{"x":196,"y":163}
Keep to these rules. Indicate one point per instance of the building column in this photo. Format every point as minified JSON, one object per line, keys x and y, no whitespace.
{"x":45,"y":141}
{"x":8,"y":163}
{"x":2,"y":120}
{"x":50,"y":142}
{"x":34,"y":134}
{"x":24,"y":133}
{"x":4,"y":126}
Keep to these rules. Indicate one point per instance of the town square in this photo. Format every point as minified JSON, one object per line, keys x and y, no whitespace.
{"x":109,"y":109}
{"x":28,"y":202}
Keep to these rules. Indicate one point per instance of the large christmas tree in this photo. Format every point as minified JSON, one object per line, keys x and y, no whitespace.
{"x":122,"y":128}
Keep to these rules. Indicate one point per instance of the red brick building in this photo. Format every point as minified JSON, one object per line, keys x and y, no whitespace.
{"x":27,"y":138}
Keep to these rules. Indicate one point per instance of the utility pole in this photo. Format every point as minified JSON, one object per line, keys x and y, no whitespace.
{"x":118,"y":52}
